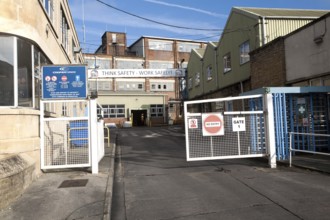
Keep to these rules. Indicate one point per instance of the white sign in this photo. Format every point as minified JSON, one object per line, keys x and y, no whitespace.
{"x":213,"y":124}
{"x":238,"y":124}
{"x":193,"y":123}
{"x":131,"y":73}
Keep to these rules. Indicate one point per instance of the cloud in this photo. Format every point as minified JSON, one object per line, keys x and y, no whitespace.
{"x":186,"y":8}
{"x":97,"y":16}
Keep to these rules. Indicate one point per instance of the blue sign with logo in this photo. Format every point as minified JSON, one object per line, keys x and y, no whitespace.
{"x":64,"y":82}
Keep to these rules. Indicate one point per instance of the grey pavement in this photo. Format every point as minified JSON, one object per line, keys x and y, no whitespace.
{"x":70,"y":194}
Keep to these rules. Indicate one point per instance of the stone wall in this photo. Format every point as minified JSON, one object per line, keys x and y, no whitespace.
{"x":19,"y":152}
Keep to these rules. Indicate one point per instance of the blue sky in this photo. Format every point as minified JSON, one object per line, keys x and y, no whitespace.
{"x":210,"y":15}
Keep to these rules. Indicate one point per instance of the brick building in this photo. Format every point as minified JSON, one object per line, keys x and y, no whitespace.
{"x":142,"y":83}
{"x":271,"y":55}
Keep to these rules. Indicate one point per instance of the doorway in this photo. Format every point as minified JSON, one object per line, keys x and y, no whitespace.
{"x":139,"y":117}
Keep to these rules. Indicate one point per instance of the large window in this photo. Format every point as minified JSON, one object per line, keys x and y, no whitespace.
{"x":156,"y":110}
{"x":26,"y":92}
{"x":209,"y":73}
{"x":160,"y":45}
{"x":101,"y":84}
{"x":24,"y":76}
{"x":65,"y":31}
{"x":161,"y":64}
{"x":227,"y":63}
{"x":244,"y":50}
{"x":190,"y":83}
{"x":6,"y":71}
{"x":114,"y":111}
{"x":187,"y":47}
{"x":101,"y":63}
{"x":49,"y":7}
{"x":197,"y":79}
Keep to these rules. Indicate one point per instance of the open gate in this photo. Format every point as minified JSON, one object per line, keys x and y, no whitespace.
{"x":228,"y":128}
{"x":65,"y":134}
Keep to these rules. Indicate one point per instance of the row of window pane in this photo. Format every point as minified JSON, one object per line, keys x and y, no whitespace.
{"x":156,"y":110}
{"x":113,"y":111}
{"x":166,"y":86}
{"x":160,"y":45}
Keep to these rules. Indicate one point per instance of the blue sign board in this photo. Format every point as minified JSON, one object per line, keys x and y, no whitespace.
{"x":64,"y":82}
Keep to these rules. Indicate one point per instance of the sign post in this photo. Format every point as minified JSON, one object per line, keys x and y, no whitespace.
{"x":212,"y":126}
{"x":238,"y":125}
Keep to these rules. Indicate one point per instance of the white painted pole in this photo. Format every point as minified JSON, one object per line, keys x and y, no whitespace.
{"x":239,"y":143}
{"x":93,"y":135}
{"x":290,"y":149}
{"x":212,"y":150}
{"x":42,"y":135}
{"x":268,"y":102}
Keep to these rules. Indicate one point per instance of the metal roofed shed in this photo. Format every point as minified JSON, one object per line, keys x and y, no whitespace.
{"x":283,"y":12}
{"x":302,"y":110}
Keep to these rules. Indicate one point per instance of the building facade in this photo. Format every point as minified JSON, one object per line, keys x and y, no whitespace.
{"x":32,"y":34}
{"x":143,"y":83}
{"x":246,"y":30}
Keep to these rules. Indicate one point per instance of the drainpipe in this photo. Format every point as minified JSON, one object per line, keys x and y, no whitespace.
{"x":216,"y":66}
{"x":263,"y":27}
{"x":202,"y":76}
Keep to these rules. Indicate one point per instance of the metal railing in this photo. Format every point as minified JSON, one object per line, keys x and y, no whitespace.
{"x":291,"y":149}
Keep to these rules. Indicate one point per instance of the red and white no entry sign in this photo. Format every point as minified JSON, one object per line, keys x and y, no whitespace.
{"x":213,"y":124}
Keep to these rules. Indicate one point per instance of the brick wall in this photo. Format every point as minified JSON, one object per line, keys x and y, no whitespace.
{"x":268,"y":65}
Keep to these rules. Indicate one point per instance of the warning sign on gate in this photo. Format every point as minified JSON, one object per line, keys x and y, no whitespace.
{"x":193,"y":123}
{"x":213,"y":124}
{"x":238,"y":124}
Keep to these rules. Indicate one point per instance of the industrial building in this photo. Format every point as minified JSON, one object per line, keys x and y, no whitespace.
{"x":143,"y":83}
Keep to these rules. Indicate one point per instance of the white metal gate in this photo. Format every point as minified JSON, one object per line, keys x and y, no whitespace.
{"x":65,"y":134}
{"x":243,"y":121}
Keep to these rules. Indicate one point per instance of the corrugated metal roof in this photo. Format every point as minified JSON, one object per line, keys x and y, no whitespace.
{"x":284,"y":12}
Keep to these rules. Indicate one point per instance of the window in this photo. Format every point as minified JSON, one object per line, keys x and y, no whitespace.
{"x":226,"y":63}
{"x":127,"y":85}
{"x":49,"y":7}
{"x":171,"y":107}
{"x":160,"y":45}
{"x":197,"y":79}
{"x":113,"y":111}
{"x":65,"y":30}
{"x":156,"y":110}
{"x":162,"y":85}
{"x":190,"y":83}
{"x":7,"y":71}
{"x":24,"y":70}
{"x":187,"y":47}
{"x":64,"y":109}
{"x":209,"y":73}
{"x":244,"y":50}
{"x":160,"y":64}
